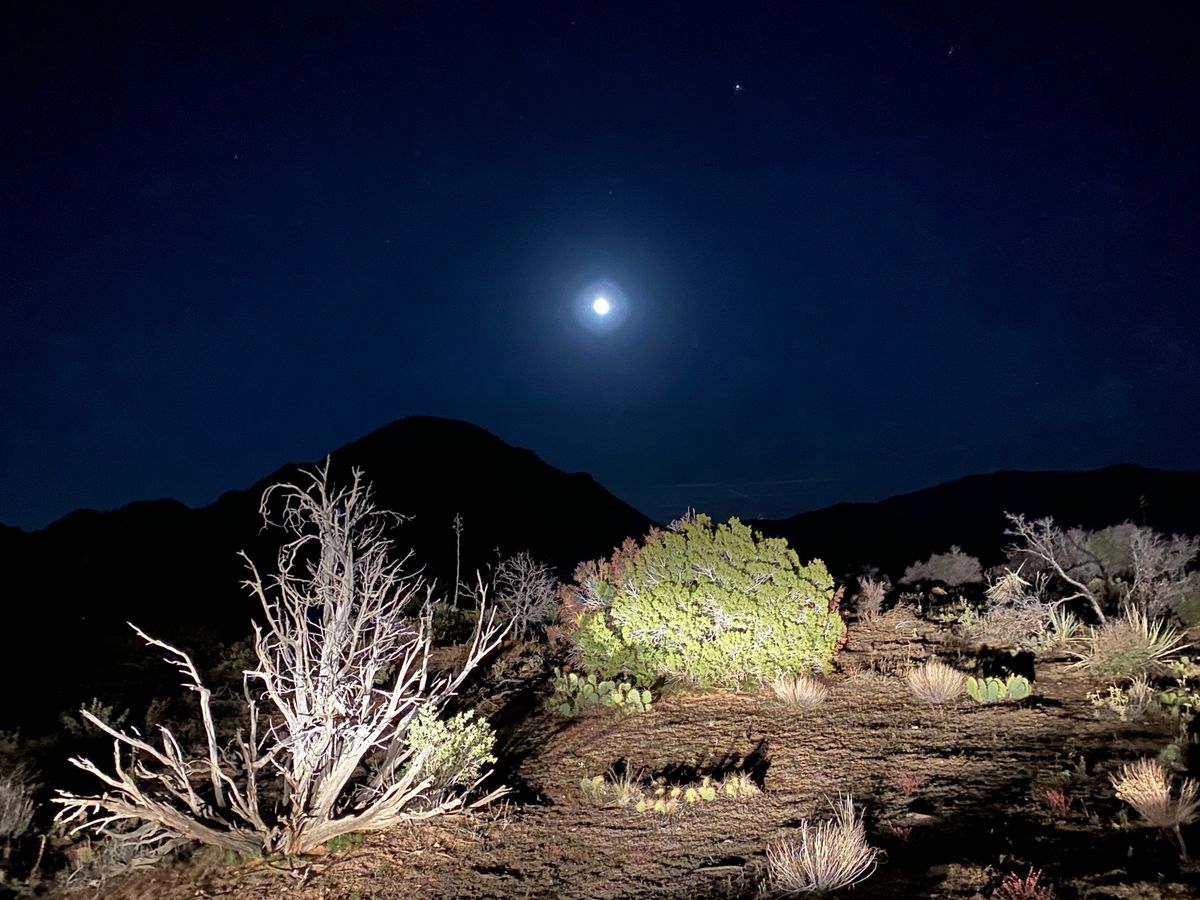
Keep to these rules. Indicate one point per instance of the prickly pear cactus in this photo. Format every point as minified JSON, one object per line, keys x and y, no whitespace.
{"x":1017,"y":687}
{"x":993,"y":690}
{"x":984,"y":690}
{"x":574,"y":694}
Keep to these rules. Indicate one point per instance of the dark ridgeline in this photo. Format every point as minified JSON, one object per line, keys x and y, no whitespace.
{"x":891,"y":534}
{"x":174,"y":571}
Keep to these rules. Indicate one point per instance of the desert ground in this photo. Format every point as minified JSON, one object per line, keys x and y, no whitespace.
{"x":956,"y":797}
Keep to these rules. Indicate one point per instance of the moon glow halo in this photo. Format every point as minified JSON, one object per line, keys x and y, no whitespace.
{"x":600,"y":307}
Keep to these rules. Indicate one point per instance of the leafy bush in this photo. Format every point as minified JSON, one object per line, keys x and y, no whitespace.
{"x":450,"y":753}
{"x":953,"y":569}
{"x":713,"y":605}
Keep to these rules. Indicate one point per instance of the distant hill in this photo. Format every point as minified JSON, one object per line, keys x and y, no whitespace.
{"x":174,"y":571}
{"x":969,"y":512}
{"x":70,"y":588}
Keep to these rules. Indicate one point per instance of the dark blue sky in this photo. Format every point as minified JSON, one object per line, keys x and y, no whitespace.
{"x":916,"y":245}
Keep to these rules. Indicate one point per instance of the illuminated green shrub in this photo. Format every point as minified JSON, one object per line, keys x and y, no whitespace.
{"x":714,"y":605}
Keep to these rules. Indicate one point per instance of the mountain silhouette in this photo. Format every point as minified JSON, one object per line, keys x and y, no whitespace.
{"x":175,"y":571}
{"x":891,"y":534}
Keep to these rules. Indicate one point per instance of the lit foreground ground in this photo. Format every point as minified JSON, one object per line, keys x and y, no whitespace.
{"x":954,"y":797}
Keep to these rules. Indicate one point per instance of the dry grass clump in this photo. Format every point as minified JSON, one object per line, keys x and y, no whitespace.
{"x":868,"y":602}
{"x":1019,"y":623}
{"x":1130,"y":646}
{"x":16,"y":804}
{"x":803,"y":691}
{"x":1008,"y":588}
{"x":827,"y":856}
{"x":936,"y":682}
{"x":1146,"y":786}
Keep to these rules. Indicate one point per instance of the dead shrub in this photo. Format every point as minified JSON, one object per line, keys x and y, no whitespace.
{"x":524,"y":594}
{"x":953,"y":569}
{"x":341,"y":725}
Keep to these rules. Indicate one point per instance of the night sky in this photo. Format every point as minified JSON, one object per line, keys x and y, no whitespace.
{"x":853,"y":250}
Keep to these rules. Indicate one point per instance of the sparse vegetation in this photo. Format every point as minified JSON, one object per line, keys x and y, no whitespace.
{"x":1160,"y":580}
{"x":1130,"y":702}
{"x":630,"y":787}
{"x":826,"y":856}
{"x":872,"y":592}
{"x":1026,"y":887}
{"x":711,"y":753}
{"x":16,"y":804}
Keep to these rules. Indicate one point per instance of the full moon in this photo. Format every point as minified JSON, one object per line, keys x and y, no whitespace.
{"x":600,"y":306}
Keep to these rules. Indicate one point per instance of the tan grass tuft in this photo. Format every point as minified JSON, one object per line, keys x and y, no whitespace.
{"x":803,"y":691}
{"x":1146,"y":786}
{"x":1130,"y":646}
{"x":827,"y":856}
{"x":936,"y":682}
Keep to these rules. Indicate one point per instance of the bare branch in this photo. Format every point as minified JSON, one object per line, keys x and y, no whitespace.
{"x":1043,"y":540}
